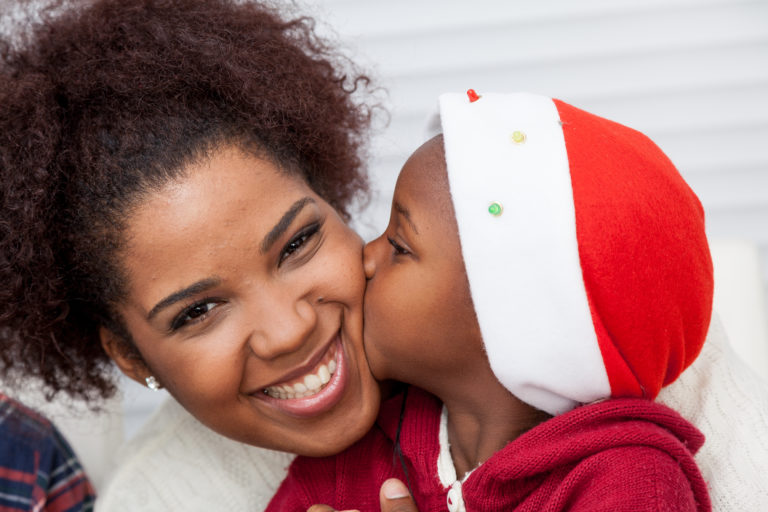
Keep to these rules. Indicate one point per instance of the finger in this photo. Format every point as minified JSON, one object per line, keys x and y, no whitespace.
{"x":394,"y":497}
{"x":326,"y":508}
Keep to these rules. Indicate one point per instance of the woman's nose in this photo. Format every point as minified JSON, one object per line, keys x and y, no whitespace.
{"x":283,"y":326}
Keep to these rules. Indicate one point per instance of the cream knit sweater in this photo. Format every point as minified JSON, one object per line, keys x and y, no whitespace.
{"x":728,"y":402}
{"x":175,"y":463}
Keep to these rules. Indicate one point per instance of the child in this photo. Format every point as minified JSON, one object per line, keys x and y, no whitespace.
{"x":588,"y":277}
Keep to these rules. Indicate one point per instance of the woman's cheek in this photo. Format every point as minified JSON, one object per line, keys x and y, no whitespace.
{"x":202,"y":364}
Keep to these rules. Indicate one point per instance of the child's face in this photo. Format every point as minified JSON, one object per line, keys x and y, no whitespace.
{"x":420,"y":325}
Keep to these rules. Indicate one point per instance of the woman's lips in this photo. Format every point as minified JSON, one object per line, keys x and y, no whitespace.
{"x":313,"y":392}
{"x":309,"y":383}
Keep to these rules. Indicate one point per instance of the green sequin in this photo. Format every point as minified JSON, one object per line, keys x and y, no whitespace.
{"x":495,"y":209}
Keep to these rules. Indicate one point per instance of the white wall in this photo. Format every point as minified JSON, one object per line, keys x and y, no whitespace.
{"x":692,"y":74}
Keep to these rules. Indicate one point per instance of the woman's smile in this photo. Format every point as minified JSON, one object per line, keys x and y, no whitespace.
{"x":313,"y":388}
{"x":309,"y":382}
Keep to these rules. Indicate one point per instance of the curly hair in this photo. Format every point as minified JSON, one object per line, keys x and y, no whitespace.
{"x":101,"y":102}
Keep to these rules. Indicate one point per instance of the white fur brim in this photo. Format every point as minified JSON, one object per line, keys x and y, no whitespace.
{"x":523,"y":266}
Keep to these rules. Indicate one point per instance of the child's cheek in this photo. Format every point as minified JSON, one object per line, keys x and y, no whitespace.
{"x":379,"y":326}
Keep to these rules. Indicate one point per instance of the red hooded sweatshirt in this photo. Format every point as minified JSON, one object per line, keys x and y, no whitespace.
{"x":616,"y":455}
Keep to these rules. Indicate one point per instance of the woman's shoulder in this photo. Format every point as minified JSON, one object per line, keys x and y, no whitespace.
{"x":728,"y":402}
{"x":176,"y":463}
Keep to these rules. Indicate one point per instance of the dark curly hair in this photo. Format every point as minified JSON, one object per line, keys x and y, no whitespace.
{"x":101,"y":102}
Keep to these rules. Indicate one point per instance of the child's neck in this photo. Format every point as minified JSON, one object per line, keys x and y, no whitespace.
{"x":482,"y":419}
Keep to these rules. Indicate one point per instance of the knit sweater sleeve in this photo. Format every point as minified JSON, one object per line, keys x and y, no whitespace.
{"x":638,"y":479}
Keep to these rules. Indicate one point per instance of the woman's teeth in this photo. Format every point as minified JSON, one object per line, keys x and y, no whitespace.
{"x":311,"y":384}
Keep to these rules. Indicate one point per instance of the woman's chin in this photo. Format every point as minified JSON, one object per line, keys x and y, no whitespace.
{"x":343,"y":438}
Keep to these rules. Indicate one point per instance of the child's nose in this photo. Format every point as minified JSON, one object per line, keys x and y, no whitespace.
{"x":369,"y":262}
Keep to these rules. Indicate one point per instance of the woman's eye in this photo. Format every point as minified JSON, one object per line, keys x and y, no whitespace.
{"x":398,"y":249}
{"x":194,"y":313}
{"x":299,"y":240}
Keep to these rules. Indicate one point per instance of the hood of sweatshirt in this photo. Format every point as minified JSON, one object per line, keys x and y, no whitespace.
{"x":561,"y":453}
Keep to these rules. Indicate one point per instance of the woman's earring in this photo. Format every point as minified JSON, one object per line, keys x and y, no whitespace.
{"x":152,"y":383}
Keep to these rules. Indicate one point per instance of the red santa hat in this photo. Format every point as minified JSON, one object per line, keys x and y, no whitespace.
{"x":585,"y":250}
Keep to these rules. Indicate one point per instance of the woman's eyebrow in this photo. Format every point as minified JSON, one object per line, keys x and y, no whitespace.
{"x":283,"y":223}
{"x":403,"y":211}
{"x":200,"y":286}
{"x":187,"y":292}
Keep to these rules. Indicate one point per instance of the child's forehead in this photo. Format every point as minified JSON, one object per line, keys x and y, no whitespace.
{"x":423,"y":182}
{"x":425,"y":172}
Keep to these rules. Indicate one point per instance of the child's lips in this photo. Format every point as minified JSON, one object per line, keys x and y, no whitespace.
{"x":314,"y":391}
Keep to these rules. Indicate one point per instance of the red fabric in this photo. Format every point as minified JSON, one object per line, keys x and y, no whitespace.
{"x":643,"y":251}
{"x":619,"y":455}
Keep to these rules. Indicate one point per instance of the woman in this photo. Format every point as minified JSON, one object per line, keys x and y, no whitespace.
{"x":176,"y":180}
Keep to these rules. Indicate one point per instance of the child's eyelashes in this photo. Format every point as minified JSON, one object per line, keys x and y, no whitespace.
{"x":399,"y":250}
{"x":297,"y":242}
{"x":195,"y":313}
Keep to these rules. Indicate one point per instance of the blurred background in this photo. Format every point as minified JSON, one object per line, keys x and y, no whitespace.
{"x":691,"y":74}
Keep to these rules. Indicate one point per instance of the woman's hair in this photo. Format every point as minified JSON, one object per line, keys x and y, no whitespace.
{"x":105,"y":101}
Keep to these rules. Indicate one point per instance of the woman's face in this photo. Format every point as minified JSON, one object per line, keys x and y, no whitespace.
{"x":244,"y":299}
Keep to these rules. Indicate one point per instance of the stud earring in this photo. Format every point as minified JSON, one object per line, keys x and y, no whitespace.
{"x":320,"y":299}
{"x":152,"y":383}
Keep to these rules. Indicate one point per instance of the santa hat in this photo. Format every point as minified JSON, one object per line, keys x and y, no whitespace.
{"x":585,"y":250}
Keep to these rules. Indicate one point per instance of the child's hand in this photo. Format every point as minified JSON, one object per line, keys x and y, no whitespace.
{"x":326,"y":508}
{"x":394,"y":497}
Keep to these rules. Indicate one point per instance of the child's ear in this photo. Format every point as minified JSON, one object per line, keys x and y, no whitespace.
{"x":126,"y":357}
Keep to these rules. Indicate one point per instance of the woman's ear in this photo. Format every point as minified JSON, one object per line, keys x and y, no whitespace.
{"x":128,"y":360}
